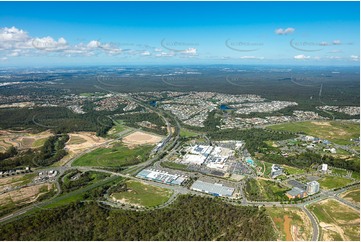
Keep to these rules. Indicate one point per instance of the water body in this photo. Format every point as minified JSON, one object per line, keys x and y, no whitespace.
{"x":224,"y":107}
{"x":153,"y":103}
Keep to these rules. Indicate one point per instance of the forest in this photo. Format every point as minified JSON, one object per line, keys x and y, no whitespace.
{"x":189,"y":218}
{"x":308,"y":158}
{"x":254,"y":137}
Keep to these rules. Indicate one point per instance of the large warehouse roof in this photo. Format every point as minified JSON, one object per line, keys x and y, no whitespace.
{"x":212,"y":188}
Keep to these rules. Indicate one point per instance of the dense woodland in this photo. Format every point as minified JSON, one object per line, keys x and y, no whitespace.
{"x":131,"y":120}
{"x":189,"y":218}
{"x":254,"y":137}
{"x":309,"y":158}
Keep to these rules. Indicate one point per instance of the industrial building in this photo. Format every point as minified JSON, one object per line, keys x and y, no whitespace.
{"x":215,"y":189}
{"x":296,"y":193}
{"x":313,"y":187}
{"x":161,"y":176}
{"x":276,"y":171}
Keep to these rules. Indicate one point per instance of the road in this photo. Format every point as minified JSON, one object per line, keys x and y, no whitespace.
{"x":170,"y":147}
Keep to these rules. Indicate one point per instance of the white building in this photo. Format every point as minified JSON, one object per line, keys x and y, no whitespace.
{"x":324,"y":167}
{"x":312,"y":187}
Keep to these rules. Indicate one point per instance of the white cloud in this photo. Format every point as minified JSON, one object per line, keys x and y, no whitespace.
{"x":324,"y":43}
{"x":355,"y":58}
{"x":49,"y":44}
{"x":165,"y":54}
{"x":13,"y":34}
{"x":93,"y":44}
{"x":3,"y":59}
{"x":333,"y":57}
{"x":251,"y":58}
{"x":336,"y":42}
{"x":281,"y":31}
{"x":301,"y":57}
{"x":190,"y":51}
{"x":145,"y":53}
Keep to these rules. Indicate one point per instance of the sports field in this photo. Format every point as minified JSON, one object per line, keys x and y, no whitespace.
{"x":142,"y":194}
{"x":339,"y":132}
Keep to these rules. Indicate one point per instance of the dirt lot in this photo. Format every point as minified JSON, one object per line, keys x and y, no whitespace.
{"x":21,"y":139}
{"x":23,"y":195}
{"x":141,"y":138}
{"x":79,"y":142}
{"x":339,"y":221}
{"x":291,"y":223}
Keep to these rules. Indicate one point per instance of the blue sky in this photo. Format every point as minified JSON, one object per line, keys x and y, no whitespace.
{"x":102,"y":33}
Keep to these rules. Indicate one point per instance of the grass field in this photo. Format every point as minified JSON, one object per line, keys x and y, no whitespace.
{"x":188,"y":133}
{"x":142,"y":194}
{"x":118,"y":155}
{"x":352,"y":196}
{"x":117,"y":128}
{"x":78,"y":194}
{"x":264,"y":190}
{"x":336,"y":131}
{"x":75,"y":140}
{"x":290,"y":223}
{"x":293,"y":170}
{"x":337,"y":221}
{"x":173,"y":165}
{"x":332,"y":182}
{"x":39,"y":142}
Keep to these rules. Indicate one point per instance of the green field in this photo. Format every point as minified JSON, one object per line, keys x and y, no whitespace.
{"x":117,"y":128}
{"x":332,"y":182}
{"x":336,"y":131}
{"x":188,"y":133}
{"x":353,"y":195}
{"x":293,"y":170}
{"x":338,"y":215}
{"x":264,"y":190}
{"x":78,"y":194}
{"x":39,"y":142}
{"x":173,"y":165}
{"x":118,"y":155}
{"x":142,"y":194}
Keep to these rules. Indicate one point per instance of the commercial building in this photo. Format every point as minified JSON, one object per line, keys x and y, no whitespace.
{"x":313,"y":187}
{"x":276,"y":171}
{"x":296,"y":193}
{"x":161,"y":176}
{"x":324,"y":167}
{"x":215,"y":189}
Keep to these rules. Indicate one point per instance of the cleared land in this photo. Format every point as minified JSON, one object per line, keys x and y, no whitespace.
{"x":14,"y":199}
{"x":142,"y":194}
{"x":22,"y":139}
{"x":352,"y":196}
{"x":10,"y":182}
{"x":337,"y":221}
{"x":116,"y":155}
{"x":141,"y":138}
{"x":338,"y":132}
{"x":332,"y":182}
{"x":291,"y":223}
{"x":78,"y":143}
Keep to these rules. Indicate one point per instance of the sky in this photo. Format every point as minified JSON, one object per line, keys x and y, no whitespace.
{"x":109,"y":33}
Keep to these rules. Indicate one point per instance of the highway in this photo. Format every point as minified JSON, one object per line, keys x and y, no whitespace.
{"x":170,"y":147}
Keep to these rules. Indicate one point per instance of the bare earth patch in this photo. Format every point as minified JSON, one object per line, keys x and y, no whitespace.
{"x":20,"y":139}
{"x":23,"y":195}
{"x":140,"y":138}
